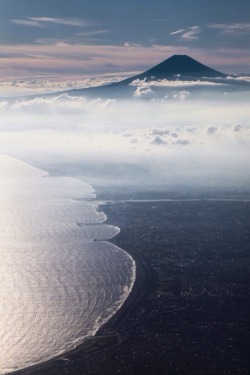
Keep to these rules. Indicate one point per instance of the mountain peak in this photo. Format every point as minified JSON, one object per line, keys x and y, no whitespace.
{"x":182,"y":66}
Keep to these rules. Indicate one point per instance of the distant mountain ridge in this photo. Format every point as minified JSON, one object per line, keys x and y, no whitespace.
{"x":177,"y":66}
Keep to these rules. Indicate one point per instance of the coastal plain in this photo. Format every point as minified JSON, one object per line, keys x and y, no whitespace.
{"x":189,"y":310}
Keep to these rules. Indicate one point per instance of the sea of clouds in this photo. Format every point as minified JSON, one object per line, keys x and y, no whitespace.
{"x":43,"y":85}
{"x":181,"y":137}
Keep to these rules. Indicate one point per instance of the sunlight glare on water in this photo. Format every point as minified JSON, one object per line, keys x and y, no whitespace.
{"x":57,"y":285}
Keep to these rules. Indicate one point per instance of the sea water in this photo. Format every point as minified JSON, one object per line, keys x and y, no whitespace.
{"x":60,"y":279}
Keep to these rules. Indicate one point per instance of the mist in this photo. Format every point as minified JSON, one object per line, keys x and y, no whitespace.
{"x":182,"y":137}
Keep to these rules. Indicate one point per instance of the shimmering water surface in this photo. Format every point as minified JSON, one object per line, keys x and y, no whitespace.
{"x":57,"y":285}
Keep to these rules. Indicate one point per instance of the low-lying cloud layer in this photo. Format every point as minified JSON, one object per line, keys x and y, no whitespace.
{"x":177,"y":140}
{"x":21,"y":87}
{"x":37,"y":86}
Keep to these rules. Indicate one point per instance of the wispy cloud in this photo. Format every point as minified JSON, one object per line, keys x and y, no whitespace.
{"x":192,"y":33}
{"x":231,"y":28}
{"x":52,"y":41}
{"x":189,"y":34}
{"x":46,"y":21}
{"x":177,"y":32}
{"x":92,"y":33}
{"x":129,"y":44}
{"x":28,"y":22}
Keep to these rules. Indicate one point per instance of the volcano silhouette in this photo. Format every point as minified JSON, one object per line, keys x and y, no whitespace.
{"x":177,"y":66}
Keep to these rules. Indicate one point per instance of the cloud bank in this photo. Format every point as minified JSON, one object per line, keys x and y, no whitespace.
{"x":167,"y":141}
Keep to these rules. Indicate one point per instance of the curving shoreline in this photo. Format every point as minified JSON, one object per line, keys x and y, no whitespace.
{"x":106,"y":336}
{"x":187,"y":303}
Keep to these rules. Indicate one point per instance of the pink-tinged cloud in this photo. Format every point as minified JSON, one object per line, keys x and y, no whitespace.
{"x":63,"y":60}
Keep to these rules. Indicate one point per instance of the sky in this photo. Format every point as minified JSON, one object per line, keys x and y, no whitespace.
{"x":62,"y":38}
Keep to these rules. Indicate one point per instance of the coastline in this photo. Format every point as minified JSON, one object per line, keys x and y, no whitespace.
{"x":145,"y":276}
{"x":182,"y":316}
{"x":106,"y":336}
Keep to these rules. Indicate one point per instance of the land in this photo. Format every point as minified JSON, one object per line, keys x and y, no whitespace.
{"x":189,"y":312}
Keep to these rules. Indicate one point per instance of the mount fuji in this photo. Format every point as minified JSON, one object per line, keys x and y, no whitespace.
{"x":171,"y":74}
{"x":177,"y":66}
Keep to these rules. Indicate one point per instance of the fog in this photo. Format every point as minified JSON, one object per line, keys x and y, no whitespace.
{"x":182,"y":137}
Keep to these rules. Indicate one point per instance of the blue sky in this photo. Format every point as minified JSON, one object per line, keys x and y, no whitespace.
{"x":83,"y":37}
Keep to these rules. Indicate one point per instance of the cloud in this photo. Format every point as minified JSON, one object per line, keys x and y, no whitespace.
{"x":212,"y":130}
{"x":157,"y":140}
{"x":77,"y":30}
{"x":232,"y":28}
{"x":174,"y":134}
{"x":128,"y":45}
{"x":238,"y":127}
{"x":47,"y":21}
{"x":190,"y":129}
{"x":15,"y":87}
{"x":160,"y":131}
{"x":143,"y":91}
{"x":40,"y":86}
{"x":182,"y":95}
{"x":180,"y":31}
{"x":93,"y":33}
{"x":170,"y":141}
{"x":177,"y":83}
{"x":134,"y":140}
{"x":189,"y":34}
{"x":245,"y":78}
{"x":181,"y":142}
{"x":28,"y":22}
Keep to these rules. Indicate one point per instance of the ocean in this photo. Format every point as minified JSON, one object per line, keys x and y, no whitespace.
{"x":60,"y":278}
